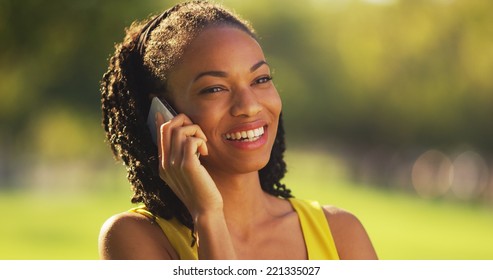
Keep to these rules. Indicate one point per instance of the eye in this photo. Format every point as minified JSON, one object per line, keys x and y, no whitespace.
{"x":210,"y":90}
{"x":263,"y":80}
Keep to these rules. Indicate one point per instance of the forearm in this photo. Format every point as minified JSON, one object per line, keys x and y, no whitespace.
{"x":214,"y":239}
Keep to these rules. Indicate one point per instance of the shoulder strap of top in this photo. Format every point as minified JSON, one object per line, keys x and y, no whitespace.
{"x":178,"y":235}
{"x":316,"y":231}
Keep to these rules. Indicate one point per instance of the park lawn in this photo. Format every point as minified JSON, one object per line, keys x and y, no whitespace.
{"x":64,"y":227}
{"x":401,"y":226}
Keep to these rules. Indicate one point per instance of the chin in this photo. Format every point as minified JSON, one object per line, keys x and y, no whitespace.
{"x":237,"y":166}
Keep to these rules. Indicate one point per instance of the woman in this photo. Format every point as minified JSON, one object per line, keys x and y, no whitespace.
{"x":211,"y":188}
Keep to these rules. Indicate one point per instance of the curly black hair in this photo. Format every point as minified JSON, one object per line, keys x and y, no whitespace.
{"x":138,"y":69}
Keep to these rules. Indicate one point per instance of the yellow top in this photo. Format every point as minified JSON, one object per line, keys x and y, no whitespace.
{"x":316,"y":231}
{"x":318,"y":238}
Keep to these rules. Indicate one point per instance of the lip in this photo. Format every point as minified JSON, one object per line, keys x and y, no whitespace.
{"x":247,"y":126}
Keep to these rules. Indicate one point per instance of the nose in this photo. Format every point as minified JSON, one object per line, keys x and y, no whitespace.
{"x":245,"y":103}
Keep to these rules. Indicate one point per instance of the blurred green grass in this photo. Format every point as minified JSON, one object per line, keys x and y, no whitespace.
{"x":55,"y":228}
{"x":401,"y":225}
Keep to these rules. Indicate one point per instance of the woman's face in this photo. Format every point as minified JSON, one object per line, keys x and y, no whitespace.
{"x":223,"y":84}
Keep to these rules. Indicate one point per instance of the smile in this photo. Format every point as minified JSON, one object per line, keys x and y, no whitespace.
{"x":246,"y":136}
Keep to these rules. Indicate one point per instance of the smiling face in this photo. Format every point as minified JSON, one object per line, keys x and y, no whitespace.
{"x":223,"y":83}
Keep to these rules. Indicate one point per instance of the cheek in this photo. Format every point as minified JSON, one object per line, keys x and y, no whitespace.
{"x":206,"y":119}
{"x":274,"y":103}
{"x":274,"y":107}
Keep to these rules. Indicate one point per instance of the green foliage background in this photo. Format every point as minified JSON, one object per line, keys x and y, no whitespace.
{"x":354,"y":75}
{"x":412,"y":72}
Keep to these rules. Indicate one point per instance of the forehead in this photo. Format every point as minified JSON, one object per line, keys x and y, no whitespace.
{"x":220,"y":47}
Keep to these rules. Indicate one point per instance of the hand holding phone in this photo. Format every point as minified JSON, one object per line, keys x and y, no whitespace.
{"x":193,"y":185}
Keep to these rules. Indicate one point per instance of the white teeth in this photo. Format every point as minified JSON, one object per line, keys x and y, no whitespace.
{"x":248,"y":135}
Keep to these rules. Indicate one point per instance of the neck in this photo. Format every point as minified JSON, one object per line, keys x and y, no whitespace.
{"x":244,"y":200}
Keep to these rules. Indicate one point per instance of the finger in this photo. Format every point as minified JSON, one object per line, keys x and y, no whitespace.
{"x":179,"y":137}
{"x":165,"y":129}
{"x":192,"y":146}
{"x":163,"y":139}
{"x":183,"y":120}
{"x":159,"y":120}
{"x":195,"y":146}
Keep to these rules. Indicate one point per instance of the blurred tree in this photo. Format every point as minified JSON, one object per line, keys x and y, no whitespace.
{"x":54,"y":52}
{"x":404,"y":73}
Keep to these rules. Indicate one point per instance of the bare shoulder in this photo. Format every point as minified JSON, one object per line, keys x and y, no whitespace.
{"x":133,"y":236}
{"x":350,"y":236}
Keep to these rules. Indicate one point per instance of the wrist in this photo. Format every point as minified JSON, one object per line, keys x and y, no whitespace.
{"x":213,"y":237}
{"x":210,"y":216}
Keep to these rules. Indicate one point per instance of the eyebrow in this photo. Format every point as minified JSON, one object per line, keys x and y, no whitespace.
{"x":223,"y":74}
{"x":257,"y":65}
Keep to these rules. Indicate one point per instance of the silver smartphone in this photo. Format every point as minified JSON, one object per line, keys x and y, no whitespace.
{"x":162,"y":107}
